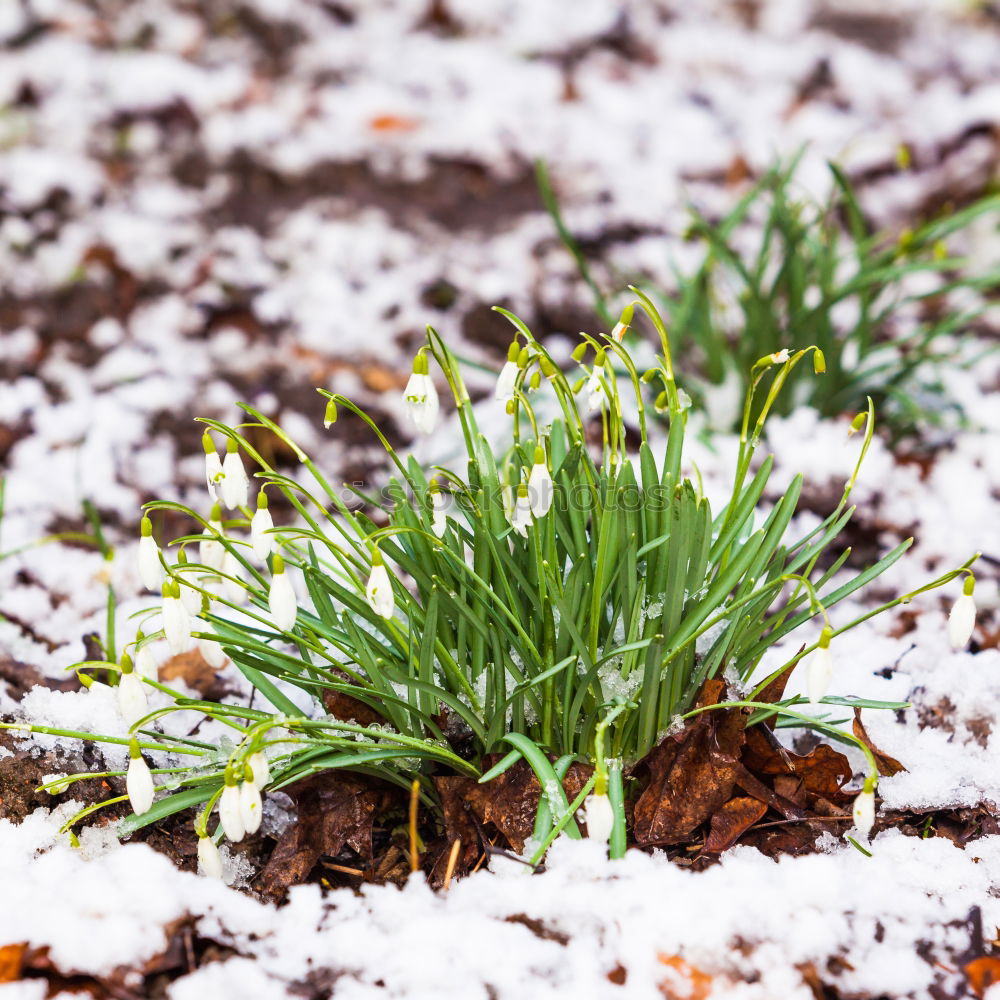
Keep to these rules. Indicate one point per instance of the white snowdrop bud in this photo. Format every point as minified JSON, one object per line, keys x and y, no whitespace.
{"x":594,"y":389}
{"x":509,"y":498}
{"x":132,"y":701}
{"x":507,"y":380}
{"x":138,"y":781}
{"x":261,"y":542}
{"x":819,"y":668}
{"x":281,"y":597}
{"x":618,"y":333}
{"x":209,"y":858}
{"x":211,"y":551}
{"x":176,"y":620}
{"x":261,"y":769}
{"x":521,"y":517}
{"x":145,"y":663}
{"x":235,"y":485}
{"x":379,"y":588}
{"x":962,"y":618}
{"x":864,"y":811}
{"x":420,"y":396}
{"x":599,"y":817}
{"x":439,"y":509}
{"x":540,"y":485}
{"x":251,"y":808}
{"x":150,"y":568}
{"x":213,"y":467}
{"x":211,"y":651}
{"x":230,"y":813}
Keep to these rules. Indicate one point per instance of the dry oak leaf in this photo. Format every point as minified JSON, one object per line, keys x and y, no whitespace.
{"x":982,"y":973}
{"x":683,"y":981}
{"x":887,"y":766}
{"x":690,"y":774}
{"x":11,"y":961}
{"x":731,"y":821}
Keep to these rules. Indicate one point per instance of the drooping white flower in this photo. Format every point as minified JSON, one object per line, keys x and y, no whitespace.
{"x":819,"y":669}
{"x":281,"y":597}
{"x":145,"y":663}
{"x":521,"y":517}
{"x":213,"y":466}
{"x":421,"y":397}
{"x":594,"y":390}
{"x":261,"y":542}
{"x":378,"y":590}
{"x":132,"y":701}
{"x":230,"y":813}
{"x":261,"y":769}
{"x":864,"y":811}
{"x":251,"y":807}
{"x":150,"y":567}
{"x":540,"y":485}
{"x":211,"y":551}
{"x":507,"y":379}
{"x":234,"y":486}
{"x":599,"y":817}
{"x":211,"y":650}
{"x":138,"y":781}
{"x":439,"y":511}
{"x":618,"y":333}
{"x":209,"y":858}
{"x":962,"y":617}
{"x":176,"y":620}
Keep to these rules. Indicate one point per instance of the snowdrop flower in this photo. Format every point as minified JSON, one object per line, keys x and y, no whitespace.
{"x":819,"y":668}
{"x":439,"y":509}
{"x":599,"y":817}
{"x":962,"y":618}
{"x":540,"y":485}
{"x":618,"y":333}
{"x":138,"y":781}
{"x":150,"y":568}
{"x":421,"y":397}
{"x":260,"y":541}
{"x":145,"y":663}
{"x":779,"y":357}
{"x":507,"y":380}
{"x":261,"y":769}
{"x":132,"y":701}
{"x":508,"y":497}
{"x":521,"y":516}
{"x":230,"y":813}
{"x":213,"y":467}
{"x":209,"y":858}
{"x":281,"y":597}
{"x":251,"y":807}
{"x":176,"y":620}
{"x":211,"y":651}
{"x":595,"y":389}
{"x":234,"y":482}
{"x":211,"y":551}
{"x":378,"y":590}
{"x":864,"y":810}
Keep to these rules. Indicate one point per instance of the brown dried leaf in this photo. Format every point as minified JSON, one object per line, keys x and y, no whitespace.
{"x":982,"y":973}
{"x":193,"y":669}
{"x":345,"y":708}
{"x":510,"y":801}
{"x":683,"y":981}
{"x":731,"y":821}
{"x":691,"y":774}
{"x":334,"y":810}
{"x":775,"y":691}
{"x":824,"y":771}
{"x":887,"y":766}
{"x":453,"y":790}
{"x":11,"y":961}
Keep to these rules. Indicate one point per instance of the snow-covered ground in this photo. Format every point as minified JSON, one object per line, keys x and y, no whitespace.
{"x":206,"y":203}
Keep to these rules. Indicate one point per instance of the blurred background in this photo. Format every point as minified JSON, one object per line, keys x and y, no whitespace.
{"x":203,"y":202}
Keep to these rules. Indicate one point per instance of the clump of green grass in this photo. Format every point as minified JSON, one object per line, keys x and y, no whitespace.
{"x":563,"y":601}
{"x":781,"y":271}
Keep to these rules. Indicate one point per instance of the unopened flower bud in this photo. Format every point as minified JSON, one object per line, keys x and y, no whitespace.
{"x":962,"y":618}
{"x":139,"y":781}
